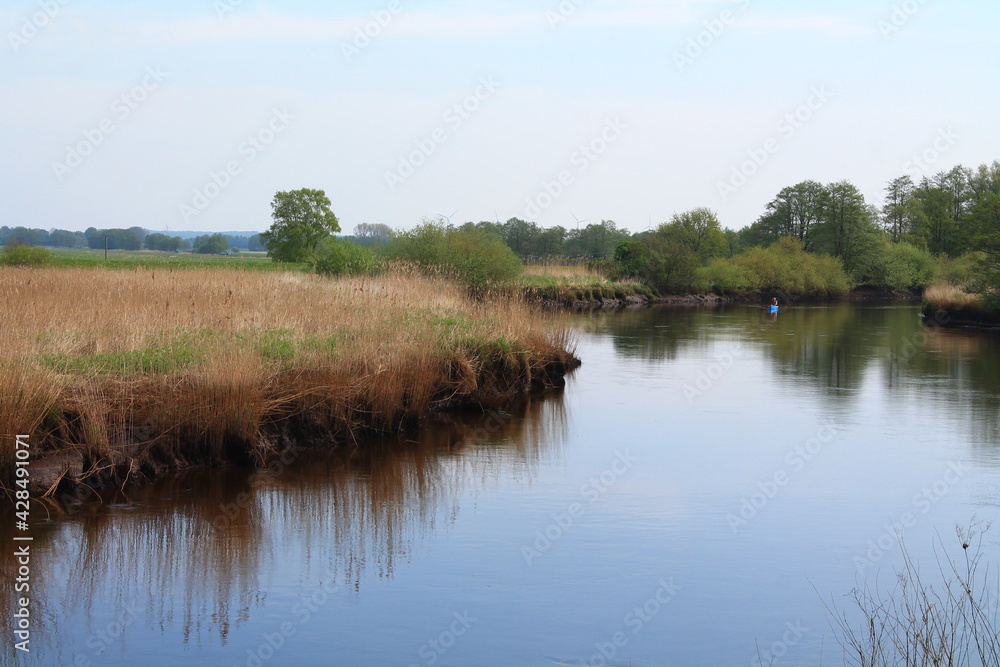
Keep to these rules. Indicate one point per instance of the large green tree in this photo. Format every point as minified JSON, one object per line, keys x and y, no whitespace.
{"x":699,"y":231}
{"x":211,"y":244}
{"x":302,"y":218}
{"x":594,"y":241}
{"x":845,"y":222}
{"x":898,"y":210}
{"x":793,"y":212}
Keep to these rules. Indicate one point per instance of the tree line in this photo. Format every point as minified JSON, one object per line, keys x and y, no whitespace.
{"x":812,"y":238}
{"x":133,"y":238}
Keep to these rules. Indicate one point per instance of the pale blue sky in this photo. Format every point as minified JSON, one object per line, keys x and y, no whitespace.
{"x":216,"y":72}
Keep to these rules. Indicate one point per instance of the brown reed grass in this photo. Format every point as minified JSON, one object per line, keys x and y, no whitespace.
{"x":559,"y":267}
{"x":136,"y":369}
{"x":949,"y":296}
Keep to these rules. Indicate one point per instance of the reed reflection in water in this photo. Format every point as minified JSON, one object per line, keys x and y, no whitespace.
{"x":198,"y":552}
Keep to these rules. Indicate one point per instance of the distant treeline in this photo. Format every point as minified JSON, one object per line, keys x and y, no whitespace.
{"x":133,"y":238}
{"x":950,"y":213}
{"x":812,"y":238}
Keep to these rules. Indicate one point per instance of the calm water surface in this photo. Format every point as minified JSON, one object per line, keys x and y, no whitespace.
{"x":707,"y":481}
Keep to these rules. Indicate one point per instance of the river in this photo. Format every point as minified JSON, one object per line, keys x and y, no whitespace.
{"x":707,"y":485}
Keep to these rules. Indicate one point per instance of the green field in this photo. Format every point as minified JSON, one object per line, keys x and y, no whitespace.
{"x":156,"y":259}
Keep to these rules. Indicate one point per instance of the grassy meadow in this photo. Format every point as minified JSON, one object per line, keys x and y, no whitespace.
{"x":135,"y":368}
{"x":153,"y":259}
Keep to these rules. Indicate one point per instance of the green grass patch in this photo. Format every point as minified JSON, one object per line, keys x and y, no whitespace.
{"x":181,"y":350}
{"x":172,"y":358}
{"x":152,"y":259}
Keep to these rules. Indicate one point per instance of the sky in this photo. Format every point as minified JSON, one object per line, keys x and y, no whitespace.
{"x":191,"y":115}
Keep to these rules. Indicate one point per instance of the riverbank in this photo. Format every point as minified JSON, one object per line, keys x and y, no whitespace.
{"x":118,"y":375}
{"x":949,"y":306}
{"x":618,"y":297}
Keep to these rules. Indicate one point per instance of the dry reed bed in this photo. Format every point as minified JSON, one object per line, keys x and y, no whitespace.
{"x":950,"y":305}
{"x":139,"y":369}
{"x":949,"y":296}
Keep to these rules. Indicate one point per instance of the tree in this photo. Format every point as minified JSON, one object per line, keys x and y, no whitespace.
{"x":162,"y":242}
{"x":64,"y":239}
{"x":794,"y":212}
{"x":933,"y":224}
{"x":699,"y":231}
{"x":550,"y":241}
{"x":595,"y":240}
{"x":897,"y":212}
{"x":845,"y":219}
{"x":368,"y":234}
{"x":984,"y":214}
{"x":139,"y":233}
{"x":211,"y":245}
{"x":335,"y":257}
{"x":479,"y":259}
{"x":118,"y":239}
{"x":521,"y":236}
{"x":24,"y":236}
{"x":302,"y":218}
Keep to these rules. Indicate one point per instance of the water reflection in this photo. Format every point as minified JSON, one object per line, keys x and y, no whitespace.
{"x":833,"y":347}
{"x":197,"y":552}
{"x":204,"y":554}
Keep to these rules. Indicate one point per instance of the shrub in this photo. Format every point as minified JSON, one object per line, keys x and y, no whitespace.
{"x":897,"y":266}
{"x":474,"y":257}
{"x":725,"y":277}
{"x":908,"y":267}
{"x":952,"y":621}
{"x":24,"y":255}
{"x":337,"y":257}
{"x":786,"y":267}
{"x":957,"y":270}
